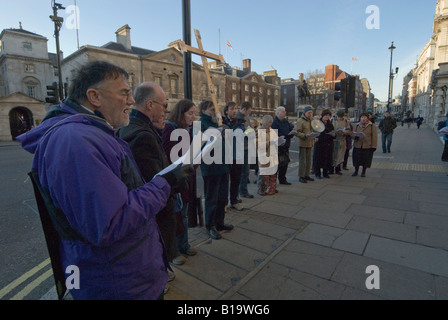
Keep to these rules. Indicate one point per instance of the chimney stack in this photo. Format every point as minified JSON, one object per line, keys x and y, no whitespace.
{"x":247,"y":67}
{"x":124,"y":36}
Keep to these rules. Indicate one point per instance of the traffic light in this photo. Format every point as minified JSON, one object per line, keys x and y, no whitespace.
{"x":52,"y":94}
{"x":337,"y":93}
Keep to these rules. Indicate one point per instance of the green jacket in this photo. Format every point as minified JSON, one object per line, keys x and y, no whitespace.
{"x":303,"y":127}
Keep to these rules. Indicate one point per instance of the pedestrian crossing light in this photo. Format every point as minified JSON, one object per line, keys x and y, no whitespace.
{"x":52,"y":94}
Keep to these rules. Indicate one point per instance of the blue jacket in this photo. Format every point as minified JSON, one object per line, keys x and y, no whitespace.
{"x":445,"y":137}
{"x":92,"y":177}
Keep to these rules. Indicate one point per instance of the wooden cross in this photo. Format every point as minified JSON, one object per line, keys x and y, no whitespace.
{"x":204,"y":55}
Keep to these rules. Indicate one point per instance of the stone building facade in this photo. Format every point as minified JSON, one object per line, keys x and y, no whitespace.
{"x":26,"y":68}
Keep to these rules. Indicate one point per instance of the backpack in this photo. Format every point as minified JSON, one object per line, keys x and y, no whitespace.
{"x":440,"y":125}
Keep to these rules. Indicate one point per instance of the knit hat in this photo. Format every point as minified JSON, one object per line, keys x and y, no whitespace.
{"x":308,"y":108}
{"x":340,"y":113}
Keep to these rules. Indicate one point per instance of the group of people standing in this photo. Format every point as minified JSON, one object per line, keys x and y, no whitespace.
{"x":328,"y":152}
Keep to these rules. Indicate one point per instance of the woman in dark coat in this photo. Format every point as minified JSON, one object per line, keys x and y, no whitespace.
{"x":182,"y":117}
{"x":323,"y":148}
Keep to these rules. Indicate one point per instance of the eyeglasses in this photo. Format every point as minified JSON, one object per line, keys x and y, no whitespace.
{"x":125,"y":93}
{"x":163,"y":105}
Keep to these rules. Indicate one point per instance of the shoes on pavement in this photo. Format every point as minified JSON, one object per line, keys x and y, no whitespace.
{"x":354,"y":174}
{"x":308,"y":178}
{"x":225,"y":227}
{"x":363,"y":175}
{"x":191,"y":251}
{"x":214,"y":234}
{"x":345,"y":168}
{"x":248,"y":196}
{"x":236,"y":206}
{"x":285,"y":183}
{"x":326,"y":176}
{"x":303,"y":180}
{"x":179,"y":260}
{"x":339,"y":173}
{"x":318,"y":177}
{"x":171,"y":276}
{"x":261,"y":193}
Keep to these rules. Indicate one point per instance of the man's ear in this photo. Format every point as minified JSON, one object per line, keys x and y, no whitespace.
{"x":94,"y":98}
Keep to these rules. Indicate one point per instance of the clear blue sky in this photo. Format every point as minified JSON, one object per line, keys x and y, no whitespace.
{"x":294,"y":36}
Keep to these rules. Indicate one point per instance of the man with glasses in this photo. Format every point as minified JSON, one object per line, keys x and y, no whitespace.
{"x":101,"y":209}
{"x":145,"y":142}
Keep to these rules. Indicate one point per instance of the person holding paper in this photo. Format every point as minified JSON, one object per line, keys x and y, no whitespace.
{"x":181,"y":118}
{"x":324,"y":147}
{"x":306,"y":143}
{"x":216,"y":178}
{"x":286,"y":130}
{"x":146,"y":146}
{"x":365,"y":144}
{"x":268,"y":143}
{"x":342,"y":126}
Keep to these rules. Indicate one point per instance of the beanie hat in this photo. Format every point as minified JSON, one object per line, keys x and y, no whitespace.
{"x":307,"y":109}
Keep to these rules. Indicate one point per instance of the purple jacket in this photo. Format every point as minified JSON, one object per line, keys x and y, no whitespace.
{"x":92,"y":177}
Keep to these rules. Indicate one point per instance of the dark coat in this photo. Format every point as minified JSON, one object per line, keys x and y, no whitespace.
{"x":323,"y":148}
{"x":283,"y":127}
{"x":146,"y":146}
{"x":213,"y":169}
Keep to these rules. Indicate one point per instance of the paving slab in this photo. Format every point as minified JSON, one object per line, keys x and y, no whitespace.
{"x":414,"y":256}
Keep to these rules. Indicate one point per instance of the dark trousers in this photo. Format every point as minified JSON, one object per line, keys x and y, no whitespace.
{"x":283,"y":158}
{"x":216,"y":189}
{"x":235,"y":179}
{"x":445,"y":152}
{"x":346,"y":155}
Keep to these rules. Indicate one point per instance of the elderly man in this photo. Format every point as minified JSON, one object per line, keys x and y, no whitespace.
{"x":142,"y":135}
{"x":285,"y":129}
{"x":306,"y":143}
{"x":102,"y":209}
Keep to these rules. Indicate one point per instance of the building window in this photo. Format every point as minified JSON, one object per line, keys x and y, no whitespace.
{"x":158,"y":80}
{"x":234,"y":99}
{"x":174,"y":86}
{"x":1,"y":45}
{"x":246,"y":87}
{"x":269,"y":92}
{"x":254,"y":89}
{"x":31,"y":91}
{"x":233,"y":85}
{"x":28,"y":46}
{"x":29,"y":68}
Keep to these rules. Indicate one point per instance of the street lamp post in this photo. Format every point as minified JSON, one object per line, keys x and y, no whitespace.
{"x":57,"y":27}
{"x":391,"y":77}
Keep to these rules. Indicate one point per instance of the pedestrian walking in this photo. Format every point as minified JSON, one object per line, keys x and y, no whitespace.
{"x":306,"y":143}
{"x":181,"y":118}
{"x":102,"y":209}
{"x":286,"y":130}
{"x":387,"y":127}
{"x":445,"y":139}
{"x":365,"y":144}
{"x":419,"y":122}
{"x":324,"y":147}
{"x":216,"y":179}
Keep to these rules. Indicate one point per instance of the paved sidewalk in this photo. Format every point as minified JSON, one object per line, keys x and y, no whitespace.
{"x":316,"y":240}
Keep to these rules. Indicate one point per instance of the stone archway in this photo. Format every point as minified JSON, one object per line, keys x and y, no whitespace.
{"x":20,"y":121}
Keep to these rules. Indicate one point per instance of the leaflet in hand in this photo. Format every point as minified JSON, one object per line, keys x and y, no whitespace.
{"x":359,"y":134}
{"x":314,"y":134}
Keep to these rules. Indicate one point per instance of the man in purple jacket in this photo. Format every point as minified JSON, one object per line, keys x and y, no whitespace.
{"x":108,"y":210}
